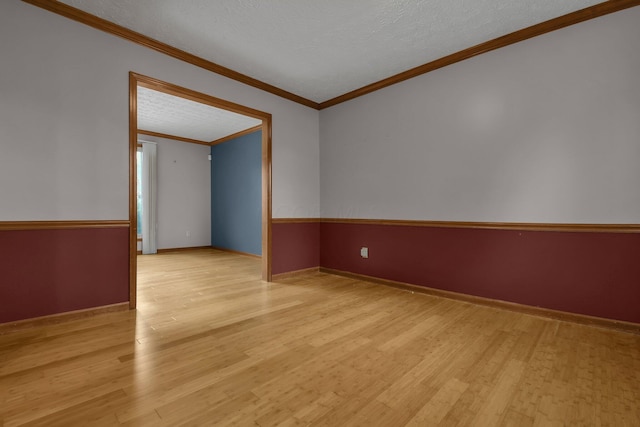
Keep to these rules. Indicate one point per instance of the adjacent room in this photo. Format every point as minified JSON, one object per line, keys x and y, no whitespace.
{"x":320,"y":213}
{"x":198,"y":189}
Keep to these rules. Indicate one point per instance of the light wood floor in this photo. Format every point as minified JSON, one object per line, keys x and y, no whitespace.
{"x":213,"y":345}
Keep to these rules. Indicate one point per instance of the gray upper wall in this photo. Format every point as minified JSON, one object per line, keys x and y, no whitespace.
{"x":184,"y":193}
{"x":64,"y":125}
{"x":546,"y":130}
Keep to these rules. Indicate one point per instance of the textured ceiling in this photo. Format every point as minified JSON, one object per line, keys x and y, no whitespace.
{"x":168,"y":114}
{"x":323,"y":49}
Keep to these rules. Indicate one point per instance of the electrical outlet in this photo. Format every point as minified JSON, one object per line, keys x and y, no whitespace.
{"x":364,"y":252}
{"x":188,"y":233}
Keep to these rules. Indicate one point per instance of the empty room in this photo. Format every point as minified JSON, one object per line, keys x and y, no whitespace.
{"x":360,"y":213}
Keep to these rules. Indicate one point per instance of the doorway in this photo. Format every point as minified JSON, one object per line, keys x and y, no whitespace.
{"x":138,"y":80}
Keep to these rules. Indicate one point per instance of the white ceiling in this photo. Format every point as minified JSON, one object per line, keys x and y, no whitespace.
{"x":172,"y":115}
{"x":323,"y":49}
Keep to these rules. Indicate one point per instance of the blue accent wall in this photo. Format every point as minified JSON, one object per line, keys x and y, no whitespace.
{"x":236,"y":194}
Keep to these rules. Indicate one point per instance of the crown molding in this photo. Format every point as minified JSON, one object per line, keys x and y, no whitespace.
{"x":176,"y":138}
{"x":235,"y":135}
{"x":567,"y":20}
{"x":120,"y":31}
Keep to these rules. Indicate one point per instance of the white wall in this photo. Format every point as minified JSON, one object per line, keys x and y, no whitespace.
{"x":546,"y":130}
{"x":184,"y":193}
{"x":64,"y":121}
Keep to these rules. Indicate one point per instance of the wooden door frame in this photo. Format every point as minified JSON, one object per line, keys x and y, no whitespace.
{"x":136,"y":80}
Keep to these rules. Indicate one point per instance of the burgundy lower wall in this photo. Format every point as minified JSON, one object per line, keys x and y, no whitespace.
{"x":590,"y":273}
{"x":53,"y":271}
{"x":294,"y":246}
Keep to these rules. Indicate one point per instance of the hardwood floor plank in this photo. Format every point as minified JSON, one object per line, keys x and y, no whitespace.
{"x":434,"y":411}
{"x":93,"y":412}
{"x":211,"y":344}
